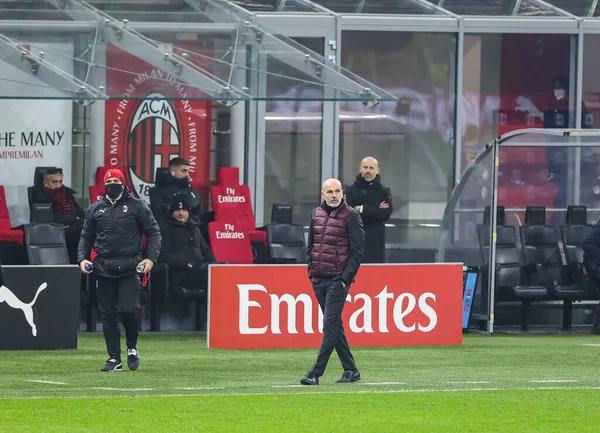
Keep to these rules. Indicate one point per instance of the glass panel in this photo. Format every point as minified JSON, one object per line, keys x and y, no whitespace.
{"x":160,"y":35}
{"x":277,"y":5}
{"x":399,"y":7}
{"x":341,"y":6}
{"x":293,"y":148}
{"x":412,"y":140}
{"x":465,"y":230}
{"x":479,"y":7}
{"x":590,"y":157}
{"x":580,"y":8}
{"x":497,"y":8}
{"x":529,"y":8}
{"x":518,"y":81}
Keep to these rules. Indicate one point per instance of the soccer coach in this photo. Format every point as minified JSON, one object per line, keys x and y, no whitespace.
{"x":336,"y":244}
{"x":114,"y":227}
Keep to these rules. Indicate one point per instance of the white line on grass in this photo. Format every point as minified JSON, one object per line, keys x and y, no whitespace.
{"x":48,"y":382}
{"x":591,"y":345}
{"x":124,"y":389}
{"x":312,"y":390}
{"x":553,"y":381}
{"x":200,"y":388}
{"x":380,"y":383}
{"x":469,"y":383}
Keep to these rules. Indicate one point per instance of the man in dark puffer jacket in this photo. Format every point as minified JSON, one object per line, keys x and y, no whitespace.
{"x":336,"y":242}
{"x":114,"y":227}
{"x":183,"y":247}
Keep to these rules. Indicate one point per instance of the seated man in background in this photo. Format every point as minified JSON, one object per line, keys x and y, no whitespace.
{"x":184,"y":249}
{"x":176,"y":182}
{"x":591,"y":263}
{"x":65,"y":209}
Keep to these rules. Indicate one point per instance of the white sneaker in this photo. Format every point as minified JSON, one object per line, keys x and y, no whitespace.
{"x":133,"y":359}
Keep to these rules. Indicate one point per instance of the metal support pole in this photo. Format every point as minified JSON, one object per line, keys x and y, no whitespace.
{"x":493,"y":235}
{"x":458,"y":114}
{"x":578,"y":113}
{"x":238,"y":118}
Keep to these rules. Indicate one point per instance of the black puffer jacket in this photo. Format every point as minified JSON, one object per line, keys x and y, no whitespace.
{"x":183,"y":247}
{"x":161,"y":196}
{"x":370,"y":196}
{"x":115,"y":232}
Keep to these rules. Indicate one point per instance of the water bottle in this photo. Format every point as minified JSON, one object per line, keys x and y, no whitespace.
{"x":89,"y":267}
{"x":140,"y":268}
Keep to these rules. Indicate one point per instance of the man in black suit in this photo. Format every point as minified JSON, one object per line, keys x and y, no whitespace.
{"x":374,"y":203}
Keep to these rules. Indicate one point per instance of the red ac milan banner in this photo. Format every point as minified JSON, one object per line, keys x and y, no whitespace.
{"x":157,"y":119}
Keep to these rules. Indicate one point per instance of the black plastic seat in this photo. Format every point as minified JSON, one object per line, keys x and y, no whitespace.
{"x":512,"y":282}
{"x":162,"y":292}
{"x":573,"y":233}
{"x":541,"y":251}
{"x":45,"y":244}
{"x":286,"y":243}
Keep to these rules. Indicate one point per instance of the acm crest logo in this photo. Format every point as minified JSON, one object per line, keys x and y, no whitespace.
{"x":154,"y":136}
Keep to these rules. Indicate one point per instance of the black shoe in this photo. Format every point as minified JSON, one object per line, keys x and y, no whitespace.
{"x":133,"y":359}
{"x":311,"y":378}
{"x":112,"y":365}
{"x":349,"y":376}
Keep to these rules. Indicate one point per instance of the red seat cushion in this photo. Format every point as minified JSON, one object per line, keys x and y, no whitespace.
{"x":230,"y":243}
{"x":15,"y":236}
{"x":228,"y":176}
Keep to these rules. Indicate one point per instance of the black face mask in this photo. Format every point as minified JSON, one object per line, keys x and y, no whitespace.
{"x":113,"y":190}
{"x":181,"y":182}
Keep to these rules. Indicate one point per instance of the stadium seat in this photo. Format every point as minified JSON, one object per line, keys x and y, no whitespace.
{"x":282,"y":214}
{"x":573,"y":233}
{"x":541,"y":252}
{"x":231,"y":202}
{"x":45,"y":244}
{"x":511,"y":279}
{"x":286,"y":239}
{"x":230,"y":243}
{"x":162,"y":292}
{"x":7,"y":234}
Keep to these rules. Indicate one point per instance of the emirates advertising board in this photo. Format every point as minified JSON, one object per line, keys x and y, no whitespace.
{"x":273,"y":306}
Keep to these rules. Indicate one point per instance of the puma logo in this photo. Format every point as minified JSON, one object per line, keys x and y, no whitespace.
{"x":12,"y":301}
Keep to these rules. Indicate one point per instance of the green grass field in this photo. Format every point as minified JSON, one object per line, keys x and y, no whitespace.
{"x":489,"y":384}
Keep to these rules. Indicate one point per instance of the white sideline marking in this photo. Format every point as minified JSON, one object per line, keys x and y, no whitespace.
{"x":469,"y":383}
{"x":200,"y":388}
{"x":591,"y":345}
{"x":123,"y":389}
{"x":553,"y":381}
{"x":311,"y":390}
{"x":48,"y":382}
{"x":381,"y":383}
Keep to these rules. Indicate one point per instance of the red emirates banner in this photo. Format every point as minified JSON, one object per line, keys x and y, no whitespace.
{"x":267,"y":307}
{"x":157,"y":119}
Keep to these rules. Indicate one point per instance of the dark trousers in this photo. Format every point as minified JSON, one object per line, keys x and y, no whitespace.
{"x":332,"y":298}
{"x":119,"y":298}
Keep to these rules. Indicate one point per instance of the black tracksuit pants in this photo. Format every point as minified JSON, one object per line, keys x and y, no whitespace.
{"x":332,"y":298}
{"x":119,"y":298}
